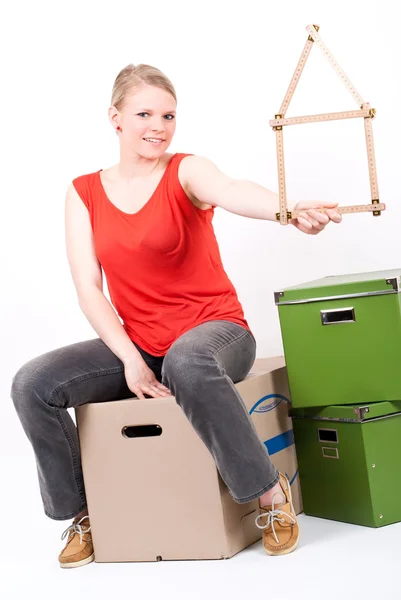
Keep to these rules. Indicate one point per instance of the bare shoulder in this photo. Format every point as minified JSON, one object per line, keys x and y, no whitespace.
{"x":71,"y":195}
{"x":191,"y":166}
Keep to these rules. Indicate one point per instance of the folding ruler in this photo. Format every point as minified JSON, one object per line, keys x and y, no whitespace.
{"x":280,"y":121}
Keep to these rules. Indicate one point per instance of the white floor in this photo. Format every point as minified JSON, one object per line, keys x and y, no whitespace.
{"x":333,"y":560}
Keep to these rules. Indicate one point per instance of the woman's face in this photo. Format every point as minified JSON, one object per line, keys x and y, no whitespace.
{"x":150,"y":113}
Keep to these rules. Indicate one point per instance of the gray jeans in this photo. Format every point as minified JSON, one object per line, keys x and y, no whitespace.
{"x":200,"y":369}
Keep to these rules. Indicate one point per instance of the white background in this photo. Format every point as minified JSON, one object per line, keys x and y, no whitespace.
{"x":231,"y":63}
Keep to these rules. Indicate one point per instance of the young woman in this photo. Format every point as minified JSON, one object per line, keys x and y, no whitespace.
{"x":147,"y":221}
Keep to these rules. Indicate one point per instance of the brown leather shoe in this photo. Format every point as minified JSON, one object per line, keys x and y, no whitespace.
{"x":280,"y":527}
{"x":79,"y":548}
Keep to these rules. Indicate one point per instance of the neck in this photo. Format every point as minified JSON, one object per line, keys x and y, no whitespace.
{"x":134,"y":166}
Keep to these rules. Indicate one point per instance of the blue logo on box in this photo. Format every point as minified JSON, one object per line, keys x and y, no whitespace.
{"x":293,"y":479}
{"x":268,"y":403}
{"x":281,"y":441}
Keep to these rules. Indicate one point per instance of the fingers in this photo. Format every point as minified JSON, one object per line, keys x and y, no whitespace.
{"x":313,"y":221}
{"x":143,"y":389}
{"x":329,"y":214}
{"x":319,"y":217}
{"x":310,"y":223}
{"x":308,"y":204}
{"x":156,"y":390}
{"x":306,"y":229}
{"x":163,"y":387}
{"x":306,"y":225}
{"x":334,"y":216}
{"x":139,"y":394}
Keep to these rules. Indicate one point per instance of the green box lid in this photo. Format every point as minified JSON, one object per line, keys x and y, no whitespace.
{"x":342,"y":285}
{"x":354,"y":413}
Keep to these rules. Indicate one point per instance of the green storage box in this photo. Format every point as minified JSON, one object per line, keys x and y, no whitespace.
{"x":342,"y":339}
{"x":349,"y":461}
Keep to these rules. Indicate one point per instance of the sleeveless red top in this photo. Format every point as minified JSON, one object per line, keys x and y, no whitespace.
{"x":162,"y":264}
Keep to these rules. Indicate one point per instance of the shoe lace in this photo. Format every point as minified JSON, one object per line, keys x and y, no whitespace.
{"x":76,"y":528}
{"x":275,"y":514}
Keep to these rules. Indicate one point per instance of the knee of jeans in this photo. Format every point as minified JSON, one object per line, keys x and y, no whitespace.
{"x":170,"y":369}
{"x":182,"y":367}
{"x":27,"y":383}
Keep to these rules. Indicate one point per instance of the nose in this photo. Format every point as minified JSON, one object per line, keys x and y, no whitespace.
{"x":157,"y":124}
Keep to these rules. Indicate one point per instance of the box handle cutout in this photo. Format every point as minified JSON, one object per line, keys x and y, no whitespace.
{"x":136,"y":431}
{"x":330,"y":452}
{"x":337,"y":316}
{"x":328,"y":435}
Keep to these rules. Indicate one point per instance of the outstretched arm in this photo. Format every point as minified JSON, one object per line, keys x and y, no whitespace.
{"x":248,"y":199}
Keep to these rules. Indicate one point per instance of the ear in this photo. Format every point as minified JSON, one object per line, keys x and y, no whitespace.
{"x":114,"y":117}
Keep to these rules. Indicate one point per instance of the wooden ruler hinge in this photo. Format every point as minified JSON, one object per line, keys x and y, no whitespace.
{"x":310,"y":38}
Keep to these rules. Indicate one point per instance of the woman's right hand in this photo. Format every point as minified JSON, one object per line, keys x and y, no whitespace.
{"x":141,"y":380}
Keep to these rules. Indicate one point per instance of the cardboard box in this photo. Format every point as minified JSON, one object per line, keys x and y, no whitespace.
{"x":159,"y":496}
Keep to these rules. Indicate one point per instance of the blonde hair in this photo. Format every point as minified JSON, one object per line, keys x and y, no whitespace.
{"x":132,"y":77}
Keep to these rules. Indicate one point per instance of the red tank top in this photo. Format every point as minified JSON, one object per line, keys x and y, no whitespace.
{"x":162,"y":264}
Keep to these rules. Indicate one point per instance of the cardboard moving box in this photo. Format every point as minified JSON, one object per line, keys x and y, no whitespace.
{"x":152,"y":486}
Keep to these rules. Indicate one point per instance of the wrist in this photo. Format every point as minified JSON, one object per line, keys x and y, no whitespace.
{"x":131,"y":358}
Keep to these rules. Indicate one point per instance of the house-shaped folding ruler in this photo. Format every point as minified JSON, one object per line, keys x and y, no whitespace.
{"x":365,"y":111}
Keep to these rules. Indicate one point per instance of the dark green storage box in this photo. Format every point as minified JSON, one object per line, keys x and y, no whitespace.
{"x":349,"y":460}
{"x":342,"y":339}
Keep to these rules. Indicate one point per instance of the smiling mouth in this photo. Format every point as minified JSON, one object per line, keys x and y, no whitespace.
{"x":153,"y":140}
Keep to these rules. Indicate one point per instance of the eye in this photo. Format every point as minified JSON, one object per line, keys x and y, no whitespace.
{"x":169,"y":115}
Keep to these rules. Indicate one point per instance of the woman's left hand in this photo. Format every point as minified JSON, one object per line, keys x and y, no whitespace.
{"x":312,"y":221}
